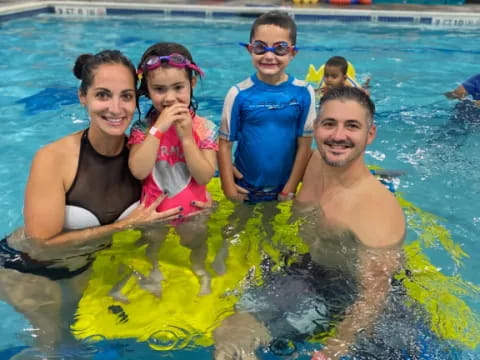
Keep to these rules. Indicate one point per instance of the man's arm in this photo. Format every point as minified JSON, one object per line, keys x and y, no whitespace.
{"x":376,"y":268}
{"x":380,"y":226}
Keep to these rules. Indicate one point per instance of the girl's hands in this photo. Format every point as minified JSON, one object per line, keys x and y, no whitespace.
{"x":183,"y":125}
{"x":171,"y":114}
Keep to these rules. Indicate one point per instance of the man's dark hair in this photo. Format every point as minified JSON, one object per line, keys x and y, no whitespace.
{"x":349,"y":93}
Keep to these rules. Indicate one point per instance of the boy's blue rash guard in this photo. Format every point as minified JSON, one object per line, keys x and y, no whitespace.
{"x":266,"y":121}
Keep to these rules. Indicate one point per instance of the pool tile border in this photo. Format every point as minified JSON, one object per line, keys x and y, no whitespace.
{"x":95,"y":9}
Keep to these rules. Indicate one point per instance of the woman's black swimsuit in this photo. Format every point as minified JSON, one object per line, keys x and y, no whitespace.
{"x":104,"y":187}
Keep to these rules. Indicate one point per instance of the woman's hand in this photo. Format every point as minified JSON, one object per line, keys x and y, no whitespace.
{"x":145,"y":214}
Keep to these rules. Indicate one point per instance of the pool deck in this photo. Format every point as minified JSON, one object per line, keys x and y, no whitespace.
{"x":468,"y":11}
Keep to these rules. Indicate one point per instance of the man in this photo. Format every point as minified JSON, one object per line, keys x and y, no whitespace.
{"x":339,"y":182}
{"x":337,"y":177}
{"x":355,"y":226}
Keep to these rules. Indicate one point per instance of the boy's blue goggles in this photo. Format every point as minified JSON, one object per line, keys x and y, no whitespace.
{"x":279,"y":49}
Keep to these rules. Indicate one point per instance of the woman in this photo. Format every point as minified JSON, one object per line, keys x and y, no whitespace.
{"x":80,"y":190}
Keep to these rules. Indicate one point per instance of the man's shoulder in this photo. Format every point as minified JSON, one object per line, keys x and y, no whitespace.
{"x":380,"y":198}
{"x":379,"y":216}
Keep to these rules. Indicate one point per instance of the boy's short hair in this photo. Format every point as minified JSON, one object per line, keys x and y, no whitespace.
{"x":349,"y":93}
{"x":278,"y":18}
{"x":338,"y":61}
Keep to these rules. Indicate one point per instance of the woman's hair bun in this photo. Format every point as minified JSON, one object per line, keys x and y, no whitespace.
{"x":78,"y":67}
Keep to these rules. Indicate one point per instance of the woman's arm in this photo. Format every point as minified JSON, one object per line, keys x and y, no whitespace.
{"x":44,"y":209}
{"x":140,"y":215}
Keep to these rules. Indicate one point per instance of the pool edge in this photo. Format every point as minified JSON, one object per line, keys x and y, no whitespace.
{"x":388,"y":16}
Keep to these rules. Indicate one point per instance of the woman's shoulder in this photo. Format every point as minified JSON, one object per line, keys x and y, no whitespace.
{"x":61,"y":149}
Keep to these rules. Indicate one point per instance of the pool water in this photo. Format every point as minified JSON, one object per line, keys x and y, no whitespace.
{"x":411,"y":67}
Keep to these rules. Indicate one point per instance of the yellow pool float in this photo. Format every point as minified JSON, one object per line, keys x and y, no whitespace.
{"x":315,"y":76}
{"x":181,"y":317}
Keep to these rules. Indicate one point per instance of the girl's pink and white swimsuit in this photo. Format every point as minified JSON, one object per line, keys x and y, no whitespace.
{"x":170,"y":173}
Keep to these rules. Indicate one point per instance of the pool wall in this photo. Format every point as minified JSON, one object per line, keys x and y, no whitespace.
{"x":98,"y":9}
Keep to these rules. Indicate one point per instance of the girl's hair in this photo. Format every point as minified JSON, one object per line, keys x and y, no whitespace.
{"x":166,"y":49}
{"x":86,"y":64}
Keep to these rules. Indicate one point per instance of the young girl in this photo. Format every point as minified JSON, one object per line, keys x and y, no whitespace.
{"x":173,"y":149}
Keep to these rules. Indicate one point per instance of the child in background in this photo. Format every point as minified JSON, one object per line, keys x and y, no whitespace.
{"x":470,"y":87}
{"x":173,"y":149}
{"x":335,"y":76}
{"x":270,"y":116}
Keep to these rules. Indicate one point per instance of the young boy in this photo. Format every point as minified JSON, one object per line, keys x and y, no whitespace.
{"x":270,"y":116}
{"x":335,"y":76}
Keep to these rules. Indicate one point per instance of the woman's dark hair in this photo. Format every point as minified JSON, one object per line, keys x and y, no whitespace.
{"x":165,"y":49}
{"x":86,"y":64}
